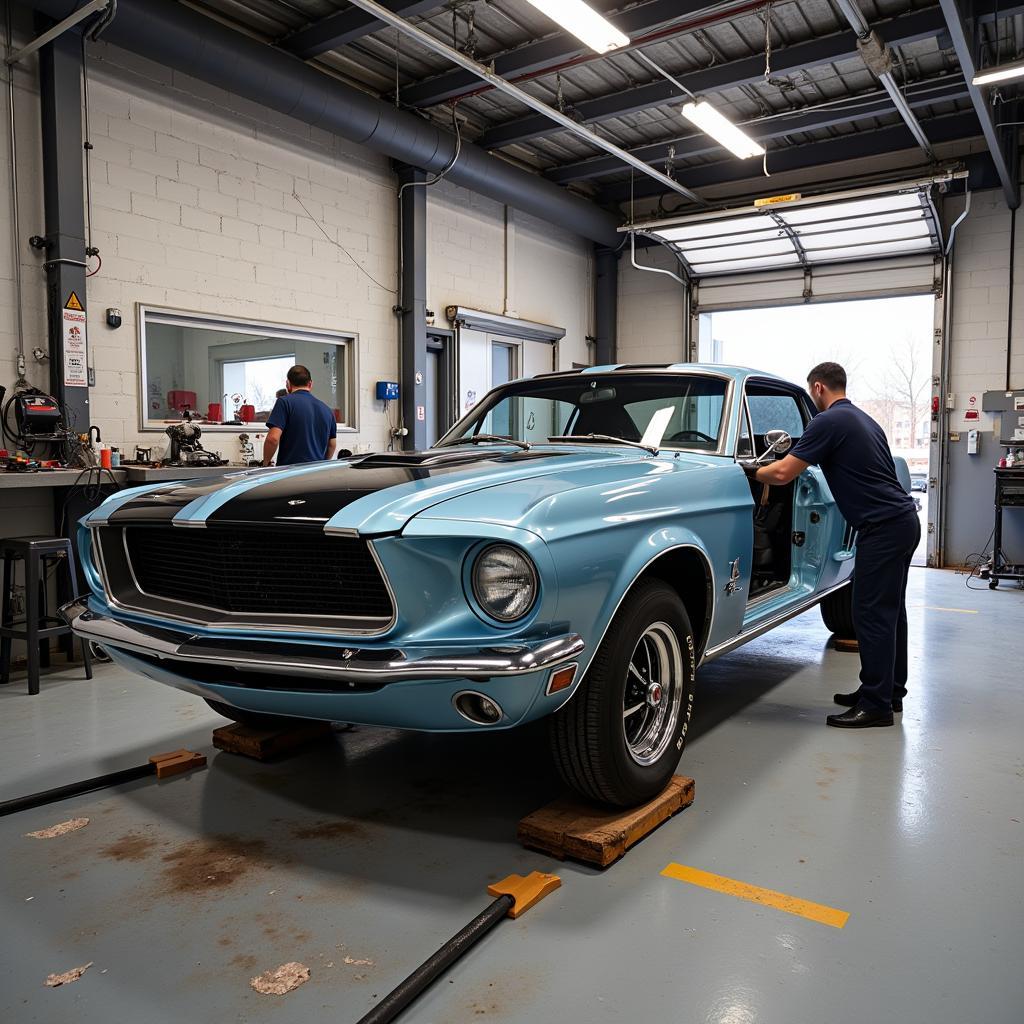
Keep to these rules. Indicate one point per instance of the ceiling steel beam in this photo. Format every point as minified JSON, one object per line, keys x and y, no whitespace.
{"x":346,"y":27}
{"x":547,"y":52}
{"x":858,"y":146}
{"x":878,"y":60}
{"x":907,"y":28}
{"x":466,"y":62}
{"x":962,"y":31}
{"x":698,"y":144}
{"x":191,"y":43}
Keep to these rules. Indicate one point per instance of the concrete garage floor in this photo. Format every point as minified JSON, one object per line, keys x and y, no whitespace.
{"x":379,"y":846}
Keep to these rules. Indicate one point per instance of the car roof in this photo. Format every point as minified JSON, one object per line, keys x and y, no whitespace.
{"x":737,"y":373}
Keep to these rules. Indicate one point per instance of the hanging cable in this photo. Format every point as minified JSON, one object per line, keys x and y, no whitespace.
{"x":335,"y":242}
{"x":15,"y":214}
{"x":90,"y":249}
{"x":425,"y":184}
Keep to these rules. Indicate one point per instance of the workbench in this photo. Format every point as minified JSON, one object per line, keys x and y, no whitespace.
{"x":1009,"y":494}
{"x":126,"y":476}
{"x":51,"y":501}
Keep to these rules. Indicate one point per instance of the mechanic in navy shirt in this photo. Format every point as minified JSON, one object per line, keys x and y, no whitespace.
{"x":853,"y":453}
{"x":302,"y":428}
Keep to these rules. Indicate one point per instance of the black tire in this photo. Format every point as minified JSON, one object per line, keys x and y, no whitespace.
{"x":253,"y":719}
{"x":588,"y":736}
{"x":837,"y":613}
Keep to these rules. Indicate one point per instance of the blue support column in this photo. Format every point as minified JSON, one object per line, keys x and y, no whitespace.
{"x":413,"y":305}
{"x":60,"y":83}
{"x":606,"y":304}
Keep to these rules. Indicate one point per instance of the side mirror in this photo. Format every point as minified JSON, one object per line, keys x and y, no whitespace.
{"x":778,"y":441}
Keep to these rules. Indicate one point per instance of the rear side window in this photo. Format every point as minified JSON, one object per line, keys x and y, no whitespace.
{"x":774,"y":412}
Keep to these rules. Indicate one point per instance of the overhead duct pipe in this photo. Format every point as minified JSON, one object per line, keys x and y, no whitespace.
{"x":174,"y":35}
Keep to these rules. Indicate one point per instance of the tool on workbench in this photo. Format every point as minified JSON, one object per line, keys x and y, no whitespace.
{"x":185,"y":448}
{"x":514,"y":896}
{"x":30,"y":417}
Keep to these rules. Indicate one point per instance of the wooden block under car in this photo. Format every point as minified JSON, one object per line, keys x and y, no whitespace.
{"x":571,"y":828}
{"x":845,"y":645}
{"x":265,"y":744}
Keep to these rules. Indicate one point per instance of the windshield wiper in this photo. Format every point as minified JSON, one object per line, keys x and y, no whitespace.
{"x":604,"y":439}
{"x":477,"y":438}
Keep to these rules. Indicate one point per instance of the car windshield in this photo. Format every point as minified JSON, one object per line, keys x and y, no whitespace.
{"x":687,"y":409}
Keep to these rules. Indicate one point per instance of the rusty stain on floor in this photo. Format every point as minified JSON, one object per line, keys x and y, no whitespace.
{"x":132,"y":846}
{"x":201,"y":866}
{"x":328,"y":830}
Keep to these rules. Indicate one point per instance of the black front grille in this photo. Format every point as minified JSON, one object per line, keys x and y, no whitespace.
{"x":255,"y":571}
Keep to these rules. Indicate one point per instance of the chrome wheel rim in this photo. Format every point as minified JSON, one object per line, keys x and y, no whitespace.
{"x":653,"y":694}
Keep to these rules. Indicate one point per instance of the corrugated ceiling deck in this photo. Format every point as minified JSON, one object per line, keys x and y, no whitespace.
{"x":500,"y":26}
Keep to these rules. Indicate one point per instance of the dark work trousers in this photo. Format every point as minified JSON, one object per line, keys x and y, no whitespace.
{"x":884,"y":551}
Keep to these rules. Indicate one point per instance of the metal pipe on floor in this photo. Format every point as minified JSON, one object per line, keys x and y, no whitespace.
{"x":49,"y":796}
{"x":434,"y":966}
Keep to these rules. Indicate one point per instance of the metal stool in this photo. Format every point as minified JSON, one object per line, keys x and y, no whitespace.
{"x":39,"y":625}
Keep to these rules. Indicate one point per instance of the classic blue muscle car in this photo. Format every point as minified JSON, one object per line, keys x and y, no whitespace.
{"x":575,"y":547}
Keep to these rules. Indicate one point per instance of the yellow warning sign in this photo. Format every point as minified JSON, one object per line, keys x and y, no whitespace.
{"x":74,"y":303}
{"x":792,"y":197}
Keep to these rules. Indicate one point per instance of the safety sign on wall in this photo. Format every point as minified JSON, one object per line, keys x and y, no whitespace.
{"x":76,"y":363}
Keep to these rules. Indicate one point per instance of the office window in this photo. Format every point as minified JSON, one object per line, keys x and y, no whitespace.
{"x":227,"y":373}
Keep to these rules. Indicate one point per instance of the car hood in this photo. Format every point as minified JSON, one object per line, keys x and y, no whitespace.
{"x":369,"y":495}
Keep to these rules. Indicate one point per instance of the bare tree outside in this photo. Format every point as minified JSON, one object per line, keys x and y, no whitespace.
{"x":902,"y":387}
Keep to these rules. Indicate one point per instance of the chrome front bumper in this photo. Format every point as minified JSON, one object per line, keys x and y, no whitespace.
{"x":351,"y":665}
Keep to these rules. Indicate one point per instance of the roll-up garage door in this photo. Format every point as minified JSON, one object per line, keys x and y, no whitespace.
{"x":867,"y":243}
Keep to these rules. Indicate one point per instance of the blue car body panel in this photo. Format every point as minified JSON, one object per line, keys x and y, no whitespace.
{"x":592,"y":518}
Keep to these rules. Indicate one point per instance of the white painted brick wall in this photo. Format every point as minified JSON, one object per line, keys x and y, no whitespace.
{"x":552,"y":270}
{"x":651,"y":310}
{"x":193,"y":210}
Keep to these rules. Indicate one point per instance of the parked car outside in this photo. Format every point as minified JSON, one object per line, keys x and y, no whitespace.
{"x":918,"y":482}
{"x":573,"y":549}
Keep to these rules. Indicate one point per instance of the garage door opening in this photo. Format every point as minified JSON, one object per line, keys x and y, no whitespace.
{"x":885,"y":346}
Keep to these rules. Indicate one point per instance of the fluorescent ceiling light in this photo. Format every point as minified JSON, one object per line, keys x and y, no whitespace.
{"x":584,"y":23}
{"x":1000,"y":73}
{"x":721,"y":129}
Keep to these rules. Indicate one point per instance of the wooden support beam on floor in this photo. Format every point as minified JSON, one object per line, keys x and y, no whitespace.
{"x":571,"y":828}
{"x":266,"y":744}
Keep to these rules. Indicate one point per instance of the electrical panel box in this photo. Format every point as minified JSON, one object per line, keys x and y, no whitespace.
{"x":972,"y":442}
{"x":387,"y":391}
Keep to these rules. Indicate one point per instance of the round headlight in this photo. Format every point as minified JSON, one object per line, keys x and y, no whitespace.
{"x":504,"y":582}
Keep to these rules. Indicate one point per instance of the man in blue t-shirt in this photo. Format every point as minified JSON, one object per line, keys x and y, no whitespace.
{"x":853,"y":453}
{"x":302,"y":428}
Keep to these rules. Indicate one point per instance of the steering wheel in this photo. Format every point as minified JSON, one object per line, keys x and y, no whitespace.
{"x":698,"y":434}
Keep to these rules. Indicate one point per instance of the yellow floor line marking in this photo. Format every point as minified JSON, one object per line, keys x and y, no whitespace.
{"x":936,"y":608}
{"x":766,"y":897}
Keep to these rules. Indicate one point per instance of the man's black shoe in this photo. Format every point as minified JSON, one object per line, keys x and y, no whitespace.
{"x":858,"y":718}
{"x":849,"y":700}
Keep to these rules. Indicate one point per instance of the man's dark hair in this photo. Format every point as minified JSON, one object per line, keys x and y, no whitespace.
{"x":299,"y":376}
{"x":832,"y":375}
{"x":281,"y":392}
